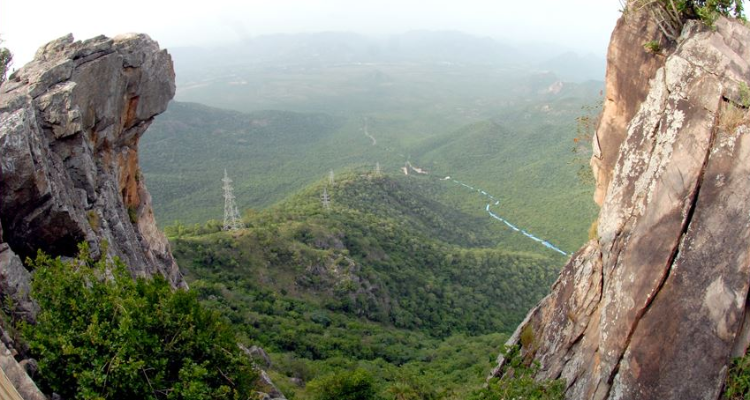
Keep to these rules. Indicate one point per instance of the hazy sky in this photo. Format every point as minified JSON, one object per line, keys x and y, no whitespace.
{"x":583,"y":25}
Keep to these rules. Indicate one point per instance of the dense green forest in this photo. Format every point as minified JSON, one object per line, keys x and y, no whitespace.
{"x":405,"y":288}
{"x":385,"y":281}
{"x":477,"y":113}
{"x":522,"y":159}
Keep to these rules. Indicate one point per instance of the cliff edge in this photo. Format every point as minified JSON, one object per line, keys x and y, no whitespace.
{"x":656,"y":306}
{"x":70,"y":122}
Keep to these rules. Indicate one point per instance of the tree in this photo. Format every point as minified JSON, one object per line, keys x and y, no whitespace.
{"x":102,"y":335}
{"x":671,"y":15}
{"x":6,"y":60}
{"x":347,"y":385}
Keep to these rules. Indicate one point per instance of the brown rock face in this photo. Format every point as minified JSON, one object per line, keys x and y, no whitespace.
{"x":69,"y":127}
{"x":656,"y":307}
{"x":629,"y":70}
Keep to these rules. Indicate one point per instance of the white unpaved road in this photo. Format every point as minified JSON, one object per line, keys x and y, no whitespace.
{"x":367,"y":132}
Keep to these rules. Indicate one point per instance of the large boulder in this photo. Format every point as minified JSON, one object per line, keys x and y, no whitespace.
{"x":655,"y":307}
{"x":70,"y":122}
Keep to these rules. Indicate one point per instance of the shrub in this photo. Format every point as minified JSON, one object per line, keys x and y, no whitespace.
{"x":652,"y":47}
{"x":744,"y":95}
{"x":671,"y":15}
{"x":518,"y":382}
{"x":133,"y":214}
{"x":6,"y":60}
{"x":102,"y":335}
{"x":347,"y":385}
{"x":527,"y":337}
{"x":594,"y":230}
{"x":737,"y":386}
{"x":93,"y":219}
{"x":732,"y":116}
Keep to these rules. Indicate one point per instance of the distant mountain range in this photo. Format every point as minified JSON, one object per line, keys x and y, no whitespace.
{"x":432,"y":47}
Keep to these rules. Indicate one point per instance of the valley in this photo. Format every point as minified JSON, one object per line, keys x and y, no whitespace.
{"x":411,"y":273}
{"x":388,"y":281}
{"x":391,"y":216}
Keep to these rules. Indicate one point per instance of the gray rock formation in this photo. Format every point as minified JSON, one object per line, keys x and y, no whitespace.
{"x":268,"y":391}
{"x":70,"y":122}
{"x":257,"y":355}
{"x":655,"y":308}
{"x":14,"y":380}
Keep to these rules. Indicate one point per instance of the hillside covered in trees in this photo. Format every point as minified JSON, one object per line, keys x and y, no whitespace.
{"x":384,"y":281}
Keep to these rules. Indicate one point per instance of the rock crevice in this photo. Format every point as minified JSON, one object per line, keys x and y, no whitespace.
{"x":666,"y":281}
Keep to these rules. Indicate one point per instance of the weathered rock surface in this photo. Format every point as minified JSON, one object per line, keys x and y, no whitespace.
{"x":16,"y":377}
{"x":268,"y":391}
{"x":257,"y":355}
{"x":655,"y":308}
{"x":70,"y":122}
{"x":15,"y":282}
{"x":629,"y":70}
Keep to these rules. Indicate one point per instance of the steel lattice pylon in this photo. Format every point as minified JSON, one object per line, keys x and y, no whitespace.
{"x":325,"y":199}
{"x":232,"y":220}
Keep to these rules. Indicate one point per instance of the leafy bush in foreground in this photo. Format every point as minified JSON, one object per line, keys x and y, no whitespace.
{"x":102,"y":335}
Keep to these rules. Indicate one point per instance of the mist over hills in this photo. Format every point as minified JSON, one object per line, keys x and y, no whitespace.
{"x":401,"y":271}
{"x":426,"y":47}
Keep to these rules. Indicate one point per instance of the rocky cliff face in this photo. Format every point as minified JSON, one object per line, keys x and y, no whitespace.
{"x":656,"y":306}
{"x":70,"y":122}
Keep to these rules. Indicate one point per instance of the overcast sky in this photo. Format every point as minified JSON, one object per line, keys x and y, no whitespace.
{"x":582,"y":25}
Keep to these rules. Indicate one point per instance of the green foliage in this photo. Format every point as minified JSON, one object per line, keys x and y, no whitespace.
{"x":652,"y":46}
{"x":93,"y":219}
{"x":6,"y":60}
{"x":737,"y":386}
{"x":388,"y":281}
{"x":744,"y":95}
{"x":586,"y":125}
{"x":506,"y":143}
{"x":385,"y":253}
{"x":518,"y":382}
{"x":670,"y":15}
{"x":527,"y":337}
{"x":594,"y":230}
{"x":102,"y":335}
{"x":347,"y":385}
{"x":709,"y":10}
{"x":133,"y":214}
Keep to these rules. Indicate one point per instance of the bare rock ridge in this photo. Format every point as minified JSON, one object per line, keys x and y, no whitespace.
{"x":70,"y":122}
{"x":656,"y":306}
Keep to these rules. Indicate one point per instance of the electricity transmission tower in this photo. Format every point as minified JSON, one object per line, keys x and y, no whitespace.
{"x":326,"y":199}
{"x":378,"y":173}
{"x":330,"y":178}
{"x":232,"y":220}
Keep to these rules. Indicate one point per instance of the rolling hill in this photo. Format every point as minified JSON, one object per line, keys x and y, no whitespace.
{"x":385,"y":280}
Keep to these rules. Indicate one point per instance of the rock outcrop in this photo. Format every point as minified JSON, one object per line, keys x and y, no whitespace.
{"x":656,"y":306}
{"x":70,"y":122}
{"x":14,"y":379}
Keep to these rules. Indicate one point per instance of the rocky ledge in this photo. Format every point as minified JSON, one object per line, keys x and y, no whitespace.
{"x":70,"y":122}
